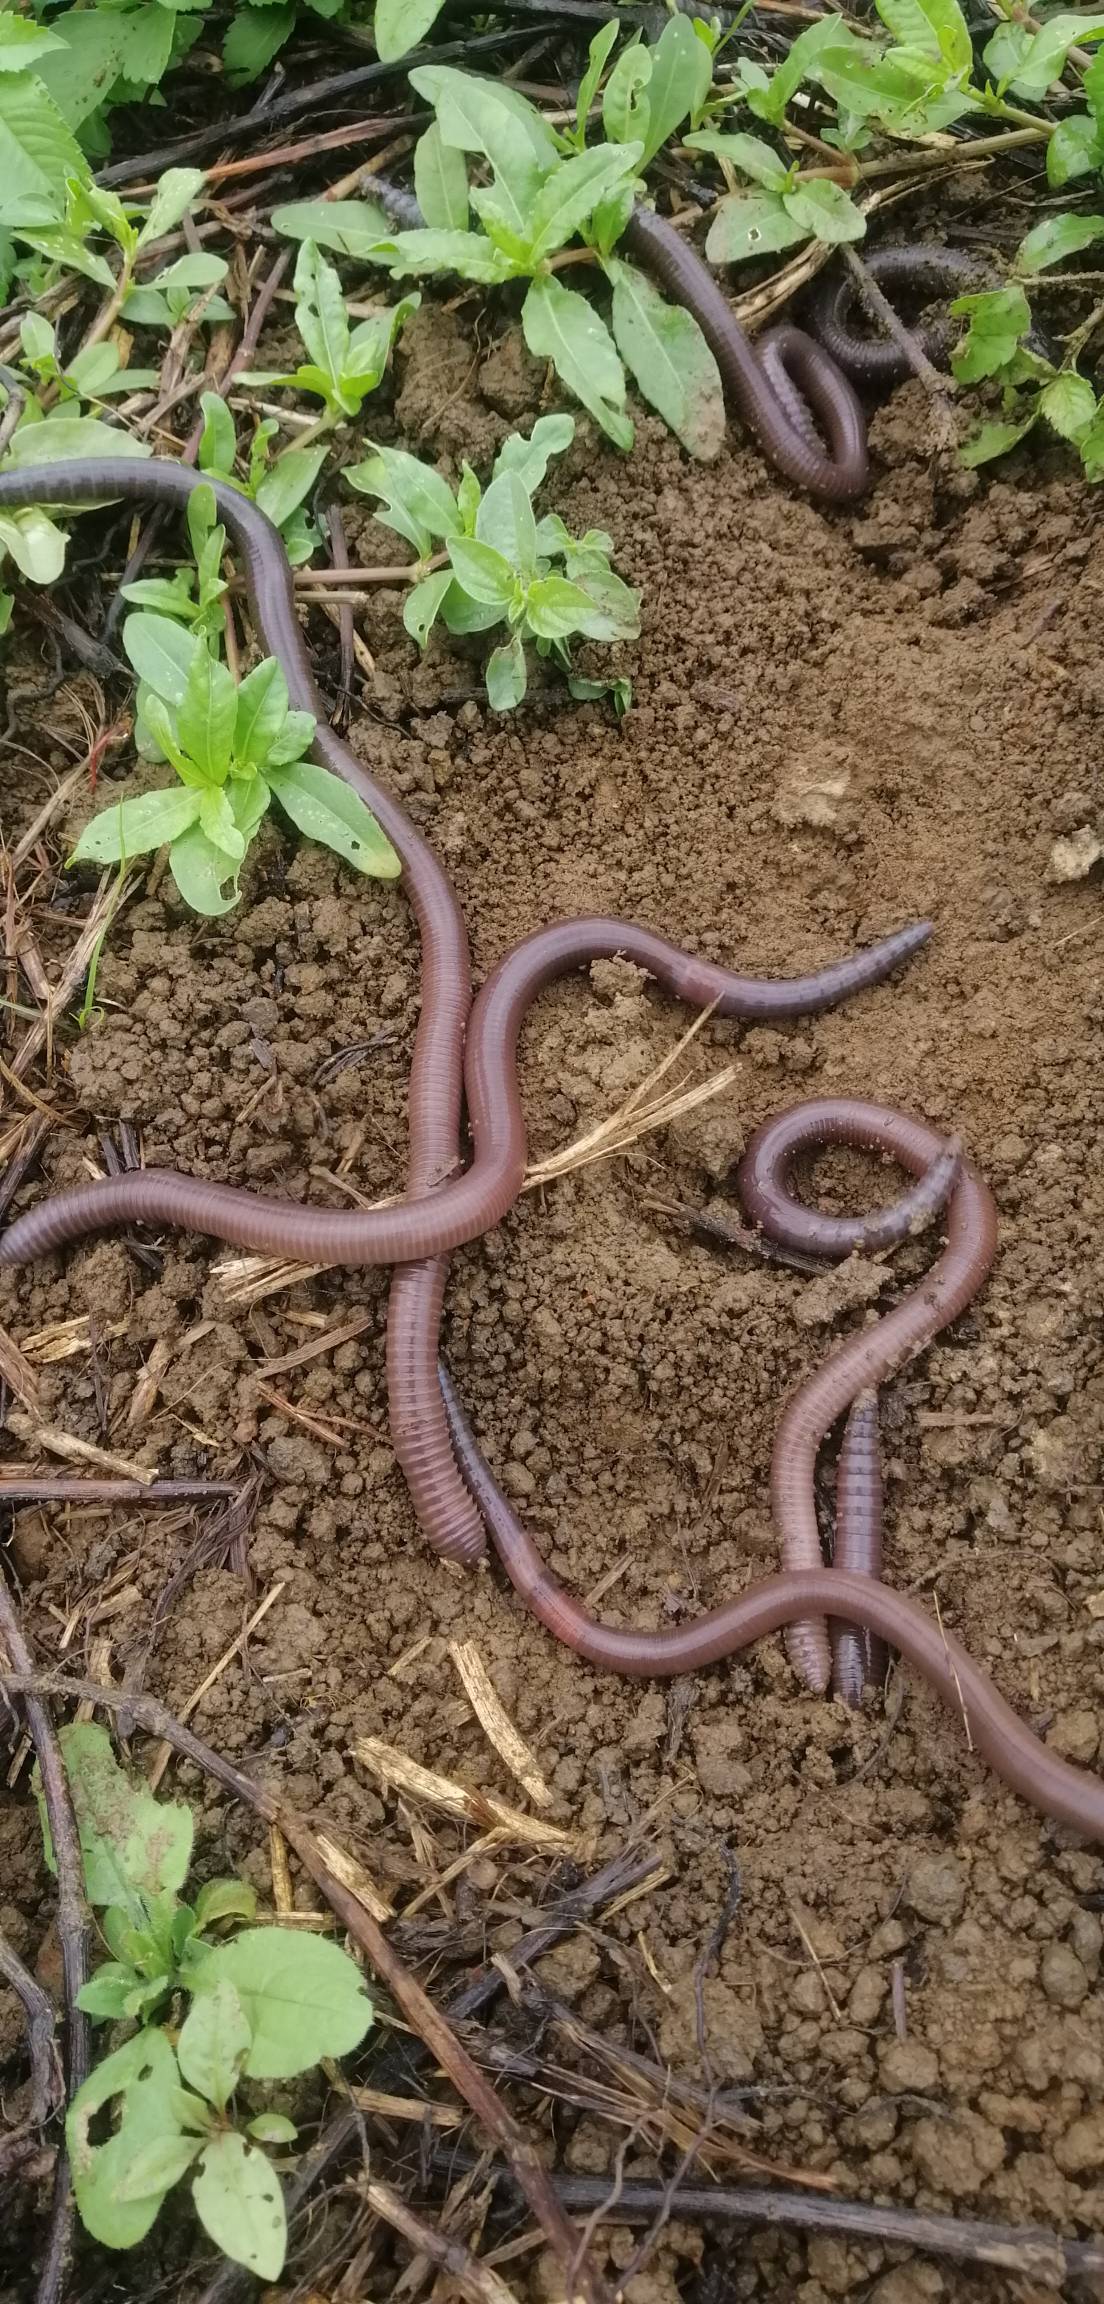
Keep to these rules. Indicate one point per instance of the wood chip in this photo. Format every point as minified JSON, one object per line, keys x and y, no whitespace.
{"x":18,"y":1374}
{"x":68,"y":1339}
{"x":54,"y":1442}
{"x":353,"y":1876}
{"x":497,"y":1727}
{"x":483,"y":1809}
{"x":407,"y":2108}
{"x":146,"y":1391}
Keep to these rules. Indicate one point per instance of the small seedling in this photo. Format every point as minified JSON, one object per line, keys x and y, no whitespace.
{"x":239,"y":2005}
{"x":994,"y":349}
{"x":345,"y":364}
{"x":501,"y":559}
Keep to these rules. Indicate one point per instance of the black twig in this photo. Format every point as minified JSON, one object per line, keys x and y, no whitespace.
{"x":47,"y":2088}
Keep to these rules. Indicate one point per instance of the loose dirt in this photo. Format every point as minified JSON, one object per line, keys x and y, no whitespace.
{"x":839,"y":723}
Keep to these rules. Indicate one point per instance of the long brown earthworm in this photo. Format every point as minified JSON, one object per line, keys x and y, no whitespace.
{"x":857,"y":1548}
{"x":1048,"y":1783}
{"x":867,"y":1359}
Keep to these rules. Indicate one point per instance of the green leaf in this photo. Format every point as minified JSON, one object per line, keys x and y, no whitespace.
{"x":320,"y":314}
{"x":70,"y":438}
{"x":132,"y":828}
{"x":748,"y":154}
{"x":440,"y":181}
{"x":218,"y":445}
{"x":240,"y":2205}
{"x":214,"y":2043}
{"x":1091,"y":446}
{"x":22,"y":42}
{"x":399,"y":25}
{"x":325,"y":809}
{"x":505,"y":521}
{"x":201,"y":871}
{"x":829,"y":31}
{"x":81,"y":72}
{"x":506,"y":675}
{"x":598,"y":54}
{"x":994,"y":440}
{"x":469,"y":111}
{"x":143,"y":2074}
{"x":303,"y":1997}
{"x":370,"y":350}
{"x":936,"y":25}
{"x":32,"y":540}
{"x":530,"y":457}
{"x":573,"y":190}
{"x":1055,"y":238}
{"x":613,"y":610}
{"x":177,"y":192}
{"x":36,"y":335}
{"x":559,"y":325}
{"x":1068,"y":405}
{"x":272,"y":2128}
{"x":484,"y":574}
{"x":261,"y":712}
{"x":162,"y":655}
{"x":468,"y":254}
{"x":663,"y":347}
{"x":1073,"y":150}
{"x":253,"y":38}
{"x":751,"y":224}
{"x":106,"y":1993}
{"x":625,"y":110}
{"x":825,"y":210}
{"x":554,"y":607}
{"x":192,"y":2113}
{"x":206,"y":715}
{"x":591,"y":692}
{"x":129,"y":1841}
{"x":413,"y":492}
{"x":682,"y":70}
{"x":1038,"y":62}
{"x":217,"y":820}
{"x":156,"y":2167}
{"x":423,"y":602}
{"x":151,"y":35}
{"x":1092,"y":87}
{"x":998,"y":318}
{"x":461,"y":614}
{"x":348,"y":227}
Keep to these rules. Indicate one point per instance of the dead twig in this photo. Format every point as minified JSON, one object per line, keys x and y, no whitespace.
{"x":474,"y":2280}
{"x":47,"y":2087}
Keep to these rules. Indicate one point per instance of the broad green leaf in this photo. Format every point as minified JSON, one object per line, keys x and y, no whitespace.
{"x":1092,"y":86}
{"x":206,"y":715}
{"x":1040,"y":61}
{"x":610,"y":218}
{"x":572,"y":191}
{"x":1091,"y":446}
{"x":261,"y":713}
{"x":682,"y":70}
{"x":240,"y":2205}
{"x":399,"y":25}
{"x":598,"y":57}
{"x":413,"y":492}
{"x":529,"y":458}
{"x":254,"y":36}
{"x":748,"y":154}
{"x":1068,"y":404}
{"x":936,"y":25}
{"x":214,"y":2043}
{"x":63,"y":251}
{"x":591,"y":691}
{"x":105,"y":1995}
{"x":70,"y":438}
{"x":830,"y":31}
{"x":468,"y":254}
{"x":129,"y":1841}
{"x":22,"y":42}
{"x":325,"y":809}
{"x":751,"y":224}
{"x":484,"y":574}
{"x":506,"y":675}
{"x":663,"y":347}
{"x":370,"y":350}
{"x":994,"y":440}
{"x":505,"y":522}
{"x":998,"y":318}
{"x":81,"y":72}
{"x":825,"y":210}
{"x":201,"y":872}
{"x":91,"y":370}
{"x":273,"y":2128}
{"x":225,"y":1899}
{"x":459,"y":613}
{"x":152,"y":34}
{"x":217,"y":820}
{"x":502,"y":216}
{"x":143,"y":2074}
{"x":156,"y":2167}
{"x":613,"y":611}
{"x":559,"y":325}
{"x":36,"y":545}
{"x":1056,"y":238}
{"x":177,"y":191}
{"x":423,"y":602}
{"x":320,"y":314}
{"x":218,"y":445}
{"x":554,"y":607}
{"x":625,"y":111}
{"x":303,"y":1996}
{"x":467,"y":106}
{"x":192,"y":2113}
{"x":348,"y":227}
{"x":162,"y":655}
{"x":440,"y":181}
{"x":36,"y":336}
{"x":173,"y":597}
{"x":132,"y":828}
{"x":1073,"y":150}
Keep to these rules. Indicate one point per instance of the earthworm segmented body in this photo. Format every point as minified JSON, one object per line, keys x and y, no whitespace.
{"x":834,"y":305}
{"x":867,"y":1359}
{"x":1045,"y":1781}
{"x":857,"y":1549}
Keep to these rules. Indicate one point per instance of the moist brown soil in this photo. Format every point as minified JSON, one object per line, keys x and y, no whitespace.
{"x":839,"y":723}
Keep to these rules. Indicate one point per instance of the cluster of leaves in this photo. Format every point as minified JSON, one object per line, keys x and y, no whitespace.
{"x":234,"y":747}
{"x":1033,"y":390}
{"x":261,"y":2004}
{"x":344,"y":364}
{"x":548,"y":187}
{"x":500,"y":561}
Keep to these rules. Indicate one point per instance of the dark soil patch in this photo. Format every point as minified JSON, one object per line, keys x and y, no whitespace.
{"x":839,"y":724}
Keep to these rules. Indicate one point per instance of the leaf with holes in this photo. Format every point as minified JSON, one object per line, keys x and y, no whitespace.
{"x":749,"y":224}
{"x":142,"y":2076}
{"x":240,"y":2205}
{"x":131,"y":1844}
{"x":324,"y":808}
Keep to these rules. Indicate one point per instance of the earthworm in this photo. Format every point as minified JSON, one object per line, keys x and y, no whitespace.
{"x":1069,"y":1795}
{"x":867,"y":1359}
{"x":857,"y":1549}
{"x":439,"y":1214}
{"x":832,"y":304}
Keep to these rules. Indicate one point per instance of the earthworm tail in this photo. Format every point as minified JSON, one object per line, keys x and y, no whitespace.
{"x":867,"y":1359}
{"x":858,"y":1546}
{"x":1046,"y":1782}
{"x":835,"y":301}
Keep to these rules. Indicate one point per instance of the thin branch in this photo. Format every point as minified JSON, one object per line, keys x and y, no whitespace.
{"x":46,"y":2084}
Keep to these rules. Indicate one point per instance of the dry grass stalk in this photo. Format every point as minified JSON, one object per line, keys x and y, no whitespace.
{"x":146,"y":1392}
{"x":441,"y":1793}
{"x":463,"y":2272}
{"x":67,"y":1339}
{"x":54,"y":1442}
{"x":163,"y":1754}
{"x":282,"y":1897}
{"x":353,"y":1876}
{"x":495,"y":1722}
{"x":416,"y":2108}
{"x":18,"y":1374}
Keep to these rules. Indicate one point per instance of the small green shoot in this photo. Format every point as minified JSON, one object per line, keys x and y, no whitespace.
{"x":345,"y":364}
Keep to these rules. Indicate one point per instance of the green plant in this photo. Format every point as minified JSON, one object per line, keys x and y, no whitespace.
{"x":501,"y":560}
{"x":1033,"y":390}
{"x":345,"y":364}
{"x":259,"y":2004}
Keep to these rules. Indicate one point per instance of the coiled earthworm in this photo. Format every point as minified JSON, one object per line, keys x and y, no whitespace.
{"x":1069,"y":1795}
{"x":834,"y":301}
{"x":857,"y":1548}
{"x":867,"y":1359}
